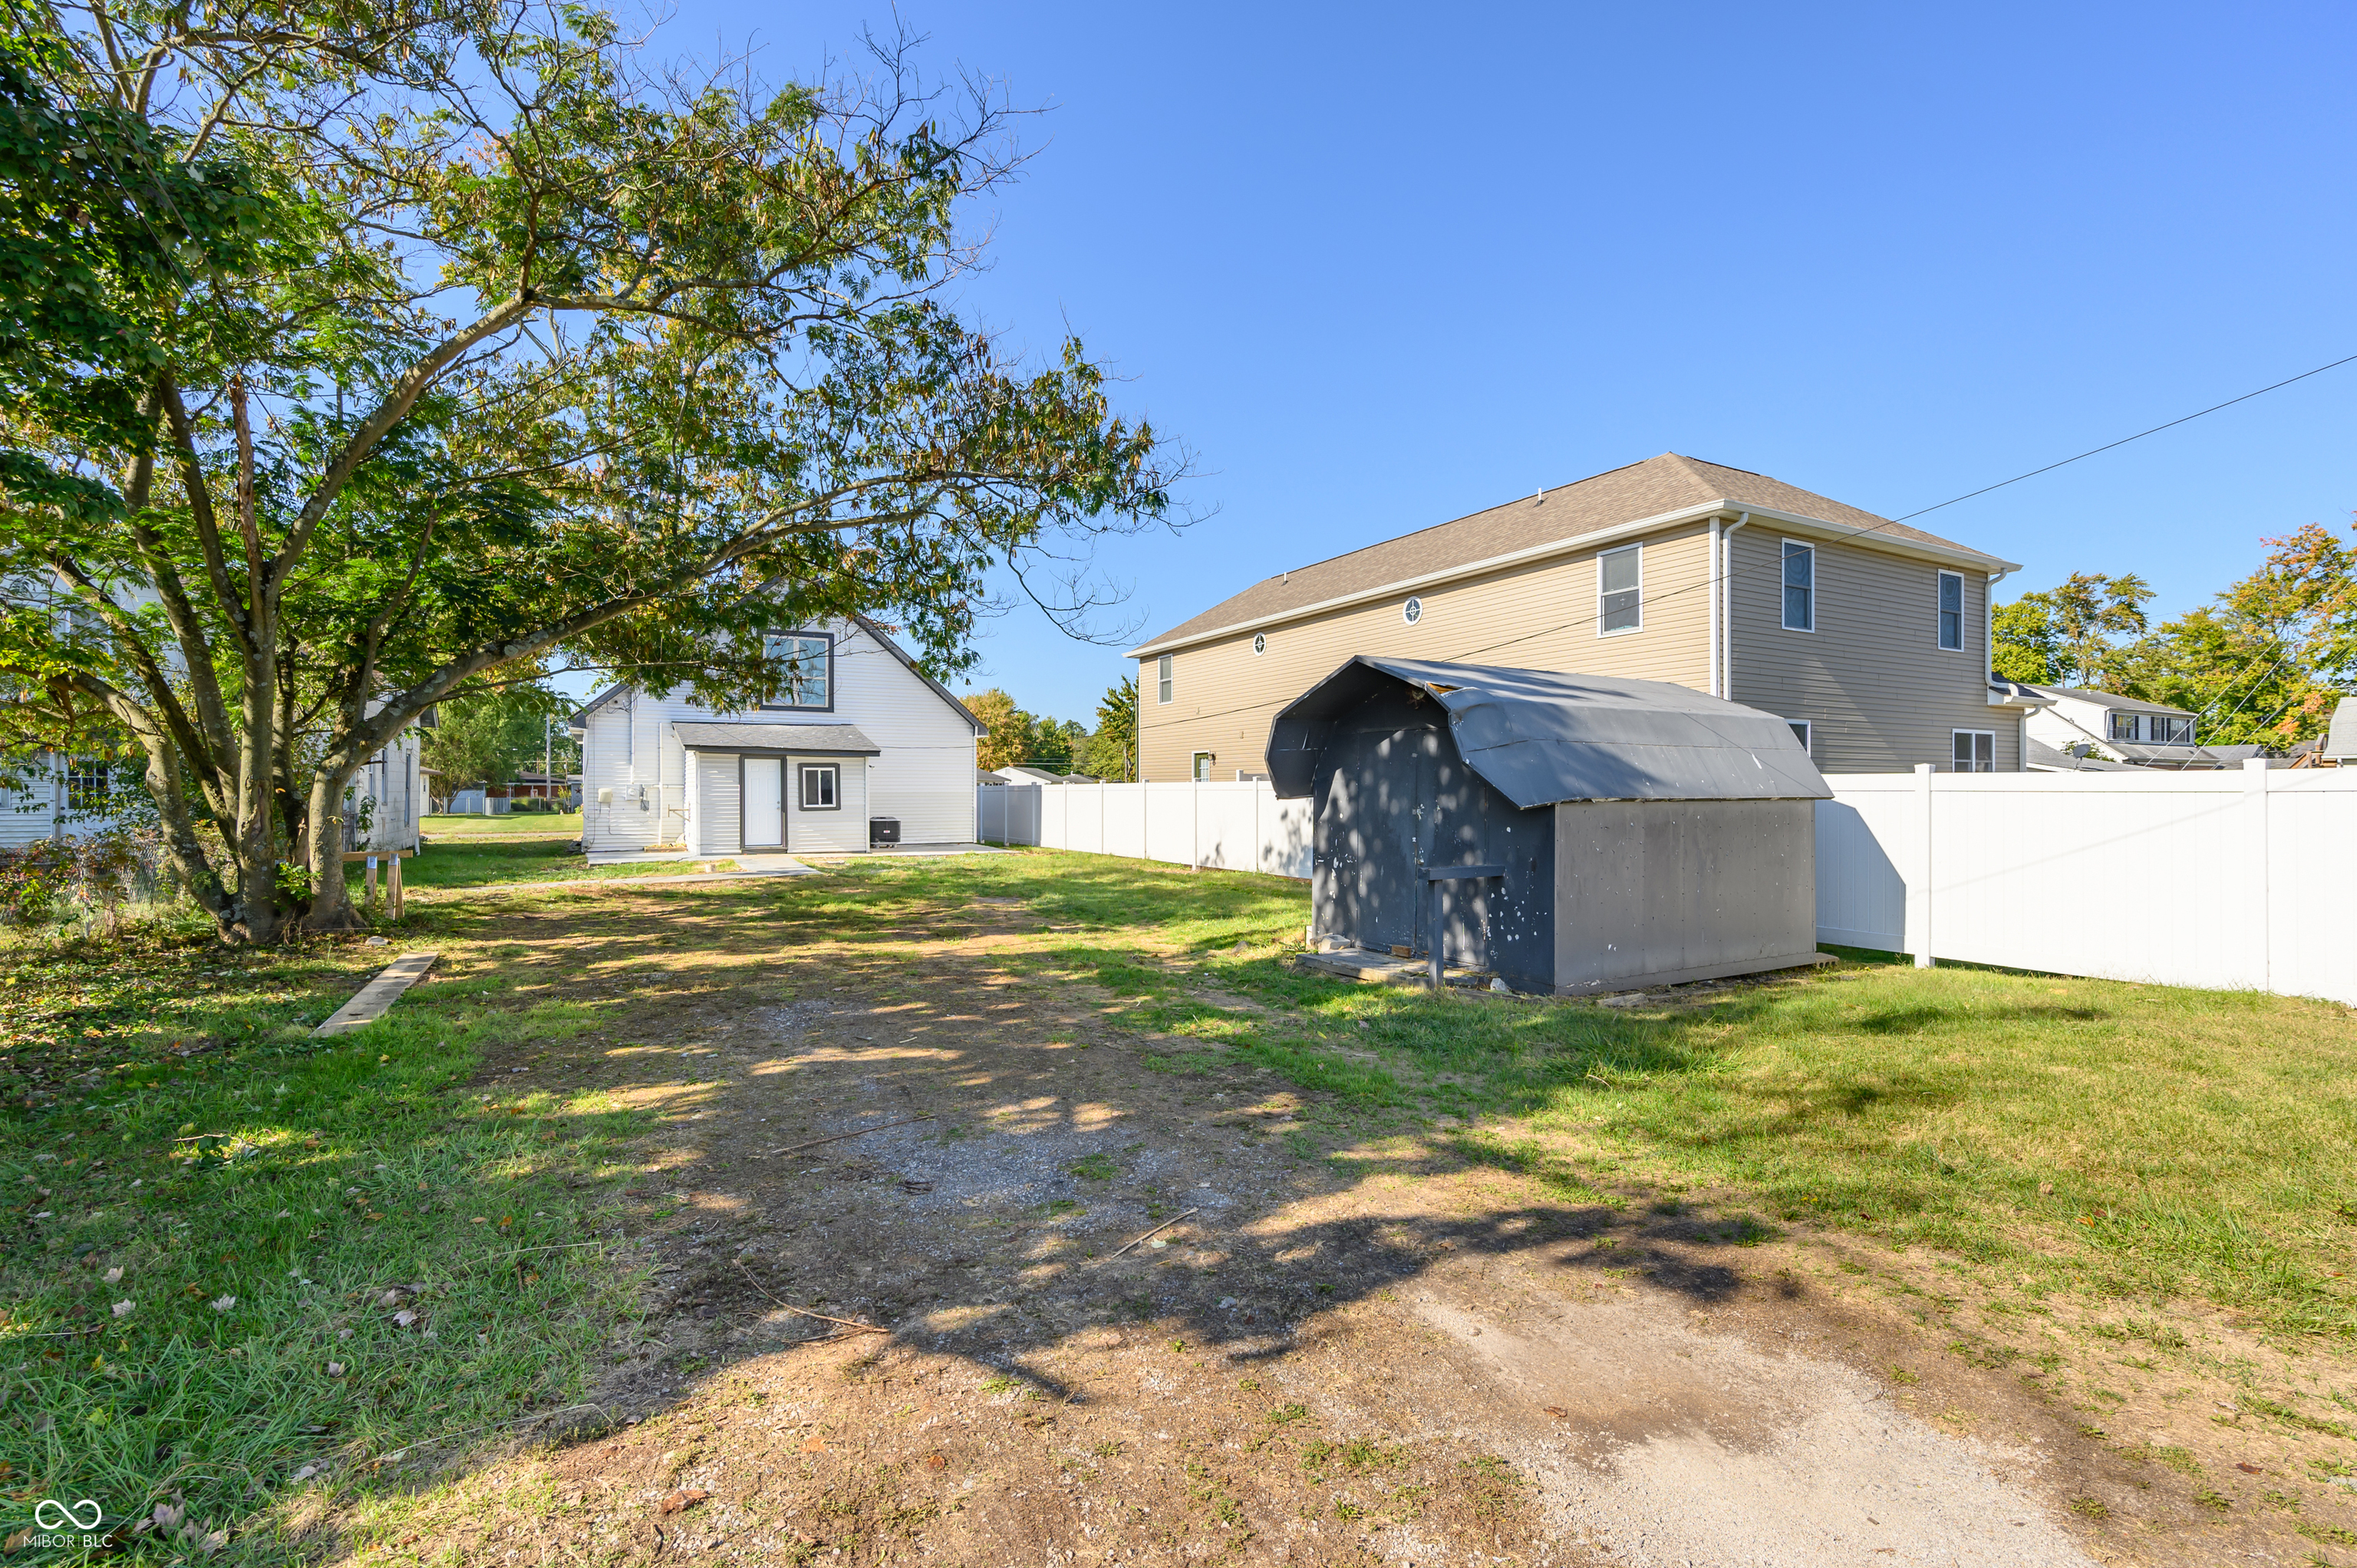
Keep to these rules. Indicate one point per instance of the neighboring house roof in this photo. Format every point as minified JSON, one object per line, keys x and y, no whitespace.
{"x":1658,"y":491}
{"x":2005,"y":694}
{"x":803,"y":740}
{"x":2109,"y":700}
{"x":2341,"y":740}
{"x":883,"y":640}
{"x":1541,"y":737}
{"x":1017,"y":773}
{"x":2040,"y":757}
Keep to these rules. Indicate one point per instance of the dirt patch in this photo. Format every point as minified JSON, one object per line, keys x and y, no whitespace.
{"x":1405,"y":1356}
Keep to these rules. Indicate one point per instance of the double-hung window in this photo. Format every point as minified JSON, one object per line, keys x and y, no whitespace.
{"x":1952,"y":611}
{"x":1162,"y":679}
{"x":821,"y":783}
{"x":86,"y":785}
{"x":1975,"y":750}
{"x":802,"y":664}
{"x":2124,"y":726}
{"x":1800,"y":586}
{"x":1620,"y":576}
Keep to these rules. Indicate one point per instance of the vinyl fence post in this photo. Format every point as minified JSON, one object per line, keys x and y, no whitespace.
{"x":2255,"y":791}
{"x":393,"y":889}
{"x":1919,"y":914}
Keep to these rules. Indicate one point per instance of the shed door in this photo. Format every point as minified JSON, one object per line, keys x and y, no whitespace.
{"x":765,"y":803}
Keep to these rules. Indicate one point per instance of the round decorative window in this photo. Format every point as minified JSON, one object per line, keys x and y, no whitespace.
{"x":1260,"y":642}
{"x":1412,"y":611}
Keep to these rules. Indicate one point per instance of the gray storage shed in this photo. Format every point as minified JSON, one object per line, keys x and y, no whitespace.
{"x":1632,"y":833}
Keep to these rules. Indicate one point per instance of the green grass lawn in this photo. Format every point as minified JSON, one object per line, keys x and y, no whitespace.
{"x":201,"y":1244}
{"x":163,"y":1112}
{"x":487,"y":862}
{"x":563,"y":824}
{"x":2127,"y":1141}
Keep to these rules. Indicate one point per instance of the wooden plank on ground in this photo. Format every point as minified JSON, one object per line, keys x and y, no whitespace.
{"x":379,"y":995}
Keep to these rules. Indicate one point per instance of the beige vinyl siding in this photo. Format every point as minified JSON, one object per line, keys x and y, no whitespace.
{"x":1878,"y":692}
{"x":1540,"y":617}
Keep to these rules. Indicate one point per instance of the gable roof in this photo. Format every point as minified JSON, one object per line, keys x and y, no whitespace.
{"x":1541,"y":737}
{"x":2109,"y":700}
{"x":1656,"y":491}
{"x":882,"y":638}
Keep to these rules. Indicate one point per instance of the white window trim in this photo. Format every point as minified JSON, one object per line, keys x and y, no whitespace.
{"x":803,"y":773}
{"x":1639,"y":551}
{"x":1259,"y":643}
{"x":1166,"y":680}
{"x":1412,"y":611}
{"x":1811,"y":546}
{"x":1937,"y":612}
{"x":1976,"y":734}
{"x":1809,"y":736}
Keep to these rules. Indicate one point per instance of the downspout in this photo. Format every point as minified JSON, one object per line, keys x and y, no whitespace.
{"x":1988,"y":656}
{"x":1710,"y":682}
{"x":1727,"y":604}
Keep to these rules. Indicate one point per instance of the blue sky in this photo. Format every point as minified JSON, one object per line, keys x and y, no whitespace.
{"x":1381,"y":266}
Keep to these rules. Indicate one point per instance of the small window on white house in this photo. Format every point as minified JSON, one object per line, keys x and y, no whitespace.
{"x":1952,"y":610}
{"x":1975,"y":750}
{"x":2124,"y":726}
{"x":1801,"y":733}
{"x":821,"y":784}
{"x":1800,"y":586}
{"x":2171,"y":731}
{"x":86,"y":785}
{"x":1203,"y":760}
{"x":1162,"y":679}
{"x":1620,"y":577}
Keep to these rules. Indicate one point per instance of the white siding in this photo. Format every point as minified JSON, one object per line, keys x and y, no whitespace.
{"x":713,"y":820}
{"x":840,"y":832}
{"x":924,"y":776}
{"x":30,"y":815}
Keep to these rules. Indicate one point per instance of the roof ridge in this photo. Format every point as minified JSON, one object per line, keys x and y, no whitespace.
{"x":1477,"y":512}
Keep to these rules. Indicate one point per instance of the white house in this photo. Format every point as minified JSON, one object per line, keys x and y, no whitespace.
{"x":2100,"y":725}
{"x":63,"y":798}
{"x":861,"y":735}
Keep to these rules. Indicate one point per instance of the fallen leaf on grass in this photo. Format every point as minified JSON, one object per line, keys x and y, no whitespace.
{"x":1556,"y":1410}
{"x":935,"y":1462}
{"x":2250,"y":1469}
{"x":684,"y":1499}
{"x":813,"y":1444}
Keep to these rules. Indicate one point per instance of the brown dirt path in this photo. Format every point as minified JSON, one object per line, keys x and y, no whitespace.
{"x":1402,"y":1357}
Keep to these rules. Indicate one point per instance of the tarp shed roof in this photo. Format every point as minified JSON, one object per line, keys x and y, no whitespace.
{"x":1540,"y":736}
{"x":803,"y":740}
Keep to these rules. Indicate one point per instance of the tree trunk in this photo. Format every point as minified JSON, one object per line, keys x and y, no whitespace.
{"x":331,"y":910}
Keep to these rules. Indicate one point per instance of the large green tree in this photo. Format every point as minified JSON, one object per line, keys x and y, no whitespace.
{"x":489,"y":738}
{"x":427,"y":344}
{"x":2069,"y":634}
{"x":2266,"y":661}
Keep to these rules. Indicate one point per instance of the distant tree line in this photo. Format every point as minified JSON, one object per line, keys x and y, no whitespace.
{"x":2263,"y":664}
{"x":1022,"y":739}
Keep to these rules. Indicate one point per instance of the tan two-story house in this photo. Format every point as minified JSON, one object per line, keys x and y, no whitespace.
{"x":1869,"y":637}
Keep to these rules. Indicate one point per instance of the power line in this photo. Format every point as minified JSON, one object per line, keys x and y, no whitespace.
{"x":1709,"y":579}
{"x":2125,"y":439}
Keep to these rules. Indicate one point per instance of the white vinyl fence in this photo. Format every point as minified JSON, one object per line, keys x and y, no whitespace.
{"x":2243,"y":880}
{"x":1232,"y":826}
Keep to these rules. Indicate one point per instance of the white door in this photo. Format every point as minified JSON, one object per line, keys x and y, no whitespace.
{"x":765,"y":801}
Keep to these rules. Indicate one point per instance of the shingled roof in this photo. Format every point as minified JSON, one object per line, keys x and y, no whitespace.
{"x":1659,"y":487}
